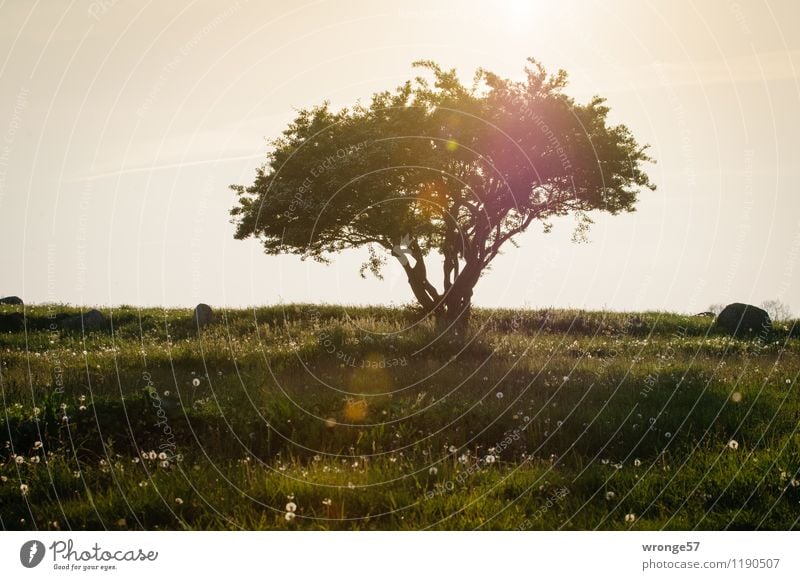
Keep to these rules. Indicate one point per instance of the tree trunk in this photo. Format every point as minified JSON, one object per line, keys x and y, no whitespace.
{"x":454,"y":310}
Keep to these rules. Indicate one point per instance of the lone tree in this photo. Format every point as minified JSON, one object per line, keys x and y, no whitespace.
{"x":440,"y":167}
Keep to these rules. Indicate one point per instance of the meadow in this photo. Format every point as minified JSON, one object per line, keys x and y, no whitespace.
{"x":314,"y":417}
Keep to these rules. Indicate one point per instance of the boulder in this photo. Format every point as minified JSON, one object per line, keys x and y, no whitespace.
{"x":203,"y":315}
{"x":705,"y":314}
{"x":13,"y":322}
{"x":15,"y":300}
{"x":92,"y":320}
{"x":739,"y":319}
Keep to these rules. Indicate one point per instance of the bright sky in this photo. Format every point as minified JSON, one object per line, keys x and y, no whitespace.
{"x":122,"y":124}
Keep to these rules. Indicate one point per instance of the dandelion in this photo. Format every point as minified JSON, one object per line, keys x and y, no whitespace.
{"x":3,"y":478}
{"x":162,"y":456}
{"x":195,"y":382}
{"x":736,"y":397}
{"x":490,"y":459}
{"x":788,"y":381}
{"x":667,"y":434}
{"x":610,"y":495}
{"x":291,"y":507}
{"x":179,"y":501}
{"x":433,"y":470}
{"x":35,"y":459}
{"x":453,"y":449}
{"x":24,"y":488}
{"x":165,"y":464}
{"x":289,"y":516}
{"x":630,"y":518}
{"x":166,"y":393}
{"x":82,"y":408}
{"x":463,"y":459}
{"x":19,"y":459}
{"x":317,"y":459}
{"x":36,"y":410}
{"x":637,"y":463}
{"x":733,"y":444}
{"x":122,"y":522}
{"x":327,"y":502}
{"x":37,"y":445}
{"x":499,"y":395}
{"x":153,"y":455}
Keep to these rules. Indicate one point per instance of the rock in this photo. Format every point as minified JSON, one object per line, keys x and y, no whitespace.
{"x":744,"y":320}
{"x":705,"y":314}
{"x":203,"y":315}
{"x":92,"y":320}
{"x":15,"y":300}
{"x":13,"y":322}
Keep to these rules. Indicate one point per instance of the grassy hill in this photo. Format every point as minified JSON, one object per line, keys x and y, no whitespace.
{"x":366,"y":418}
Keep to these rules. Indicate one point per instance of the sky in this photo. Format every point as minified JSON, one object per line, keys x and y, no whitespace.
{"x":123,"y":123}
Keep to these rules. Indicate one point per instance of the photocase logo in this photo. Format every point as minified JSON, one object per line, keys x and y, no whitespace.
{"x":31,"y":553}
{"x":400,"y":250}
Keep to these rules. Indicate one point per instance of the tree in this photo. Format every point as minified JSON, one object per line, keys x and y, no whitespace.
{"x":777,"y":310}
{"x":439,"y":167}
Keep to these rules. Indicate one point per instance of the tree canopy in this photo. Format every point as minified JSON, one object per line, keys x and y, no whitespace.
{"x":436,"y":166}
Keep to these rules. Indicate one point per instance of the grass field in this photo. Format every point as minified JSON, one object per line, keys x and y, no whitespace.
{"x":322,"y":417}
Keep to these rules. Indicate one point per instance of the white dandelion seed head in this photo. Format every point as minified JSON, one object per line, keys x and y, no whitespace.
{"x":637,"y":462}
{"x":433,"y":470}
{"x":291,"y":507}
{"x":24,"y":488}
{"x":195,"y":382}
{"x":630,"y":518}
{"x":499,"y":395}
{"x":179,"y":501}
{"x":490,"y":459}
{"x":162,"y":456}
{"x":610,"y":495}
{"x":289,"y":516}
{"x":733,"y":444}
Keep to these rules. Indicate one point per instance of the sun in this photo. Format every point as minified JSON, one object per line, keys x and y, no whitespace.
{"x":519,"y":8}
